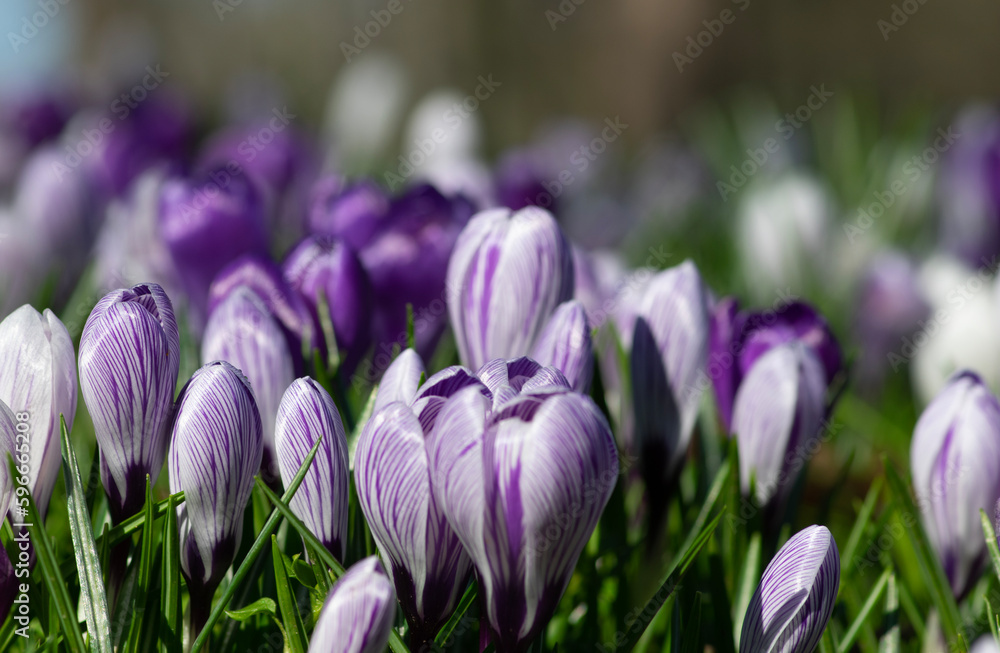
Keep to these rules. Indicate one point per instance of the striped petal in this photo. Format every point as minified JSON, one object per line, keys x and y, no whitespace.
{"x":777,"y":415}
{"x":565,"y":344}
{"x":38,"y":376}
{"x":8,"y":445}
{"x":423,"y":554}
{"x":216,"y":450}
{"x":794,"y":600}
{"x":305,"y":414}
{"x":358,"y":614}
{"x":505,"y":379}
{"x":508,"y":273}
{"x":241,"y":331}
{"x":129,"y":358}
{"x":401,"y":380}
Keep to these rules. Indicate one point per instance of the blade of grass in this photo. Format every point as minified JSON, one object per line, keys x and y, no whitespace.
{"x":863,"y":519}
{"x":991,"y":541}
{"x":890,"y":640}
{"x":92,"y":594}
{"x":295,"y":638}
{"x":468,"y":599}
{"x":133,"y":524}
{"x":170,"y":590}
{"x":865,"y":612}
{"x":691,"y":641}
{"x":747,"y":585}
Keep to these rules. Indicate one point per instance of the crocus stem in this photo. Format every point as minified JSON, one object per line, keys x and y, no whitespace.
{"x":200,"y":608}
{"x":117,"y":570}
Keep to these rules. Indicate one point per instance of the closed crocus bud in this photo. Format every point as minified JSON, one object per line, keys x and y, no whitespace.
{"x":216,"y":450}
{"x":523,"y":486}
{"x":391,"y":466}
{"x":129,"y":359}
{"x":8,"y":446}
{"x":358,"y":614}
{"x":307,"y":413}
{"x":985,"y":644}
{"x":506,"y":277}
{"x":565,"y":344}
{"x":955,"y":460}
{"x":207,"y":222}
{"x":38,"y":379}
{"x":796,"y":595}
{"x":243,"y":332}
{"x":777,"y":416}
{"x":324,"y":265}
{"x":669,"y":348}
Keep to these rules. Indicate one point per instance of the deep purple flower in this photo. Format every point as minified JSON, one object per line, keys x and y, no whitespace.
{"x":424,"y":556}
{"x":38,"y":377}
{"x":307,"y":413}
{"x":565,"y":344}
{"x":523,"y":485}
{"x":324,"y":264}
{"x":955,"y":460}
{"x":243,"y":332}
{"x":358,"y":614}
{"x":216,"y":450}
{"x":26,"y":121}
{"x":796,"y":595}
{"x":353,"y":212}
{"x":129,"y":359}
{"x":208,"y":222}
{"x":521,"y":181}
{"x":739,"y":339}
{"x":506,"y":277}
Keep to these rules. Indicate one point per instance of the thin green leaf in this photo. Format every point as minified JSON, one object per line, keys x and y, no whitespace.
{"x":862,"y":521}
{"x":260,"y":606}
{"x":133,"y":524}
{"x":92,"y":594}
{"x":865,"y":612}
{"x":141,"y":603}
{"x":170,"y":590}
{"x":707,"y":508}
{"x":326,"y":324}
{"x":890,"y":640}
{"x":991,"y":541}
{"x":691,"y":641}
{"x":302,"y":571}
{"x":411,"y":339}
{"x":295,"y":637}
{"x":467,"y":601}
{"x":747,"y":585}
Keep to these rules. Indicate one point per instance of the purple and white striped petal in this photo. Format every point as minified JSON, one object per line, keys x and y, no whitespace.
{"x":8,"y":445}
{"x":778,"y":412}
{"x":511,"y":484}
{"x":306,"y":413}
{"x":794,"y":600}
{"x":507,"y":378}
{"x":358,"y":614}
{"x":955,"y":459}
{"x":400,"y":381}
{"x":38,"y":376}
{"x":423,"y":554}
{"x":507,"y":274}
{"x":129,"y":359}
{"x":241,"y":331}
{"x":216,"y":450}
{"x":565,"y":344}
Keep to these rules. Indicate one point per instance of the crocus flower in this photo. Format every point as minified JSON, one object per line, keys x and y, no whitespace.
{"x":323,"y":264}
{"x":955,"y":460}
{"x":243,"y":332}
{"x":794,"y":600}
{"x":8,"y":445}
{"x":38,"y":377}
{"x":307,"y":413}
{"x":350,"y":212}
{"x":565,"y":344}
{"x":523,"y":486}
{"x":424,"y":556}
{"x":208,"y":222}
{"x":779,"y":410}
{"x":985,"y":644}
{"x":216,"y":450}
{"x":506,"y":379}
{"x":129,"y":359}
{"x":669,"y":348}
{"x":506,"y":277}
{"x":358,"y":614}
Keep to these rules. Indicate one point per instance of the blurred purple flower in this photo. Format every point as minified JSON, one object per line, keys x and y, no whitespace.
{"x":565,"y":344}
{"x":358,"y":614}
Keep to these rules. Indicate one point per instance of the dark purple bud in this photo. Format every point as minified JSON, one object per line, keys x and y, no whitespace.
{"x":353,"y":213}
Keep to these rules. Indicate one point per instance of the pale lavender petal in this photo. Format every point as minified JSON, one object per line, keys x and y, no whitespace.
{"x":985,"y":644}
{"x":358,"y":614}
{"x":8,"y":445}
{"x":506,"y":378}
{"x":306,"y":413}
{"x":38,"y":376}
{"x":216,"y":450}
{"x":241,"y":331}
{"x":796,"y":595}
{"x":565,"y":344}
{"x":400,"y":381}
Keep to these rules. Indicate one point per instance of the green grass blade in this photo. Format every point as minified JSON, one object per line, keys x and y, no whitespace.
{"x":170,"y":590}
{"x":865,"y":612}
{"x":92,"y":594}
{"x":862,"y":521}
{"x":991,"y":541}
{"x":747,"y":585}
{"x":891,"y":639}
{"x":691,"y":641}
{"x":133,"y":524}
{"x":141,"y":603}
{"x":466,"y":602}
{"x":295,"y":637}
{"x":263,"y":538}
{"x":707,"y":508}
{"x":260,"y":606}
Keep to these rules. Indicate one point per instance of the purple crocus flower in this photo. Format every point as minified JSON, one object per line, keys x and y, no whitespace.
{"x":321,"y":263}
{"x":358,"y":614}
{"x":521,"y":181}
{"x":243,"y":332}
{"x":8,"y":445}
{"x":796,"y":595}
{"x":216,"y":450}
{"x":566,"y":345}
{"x":351,"y":212}
{"x":208,"y":222}
{"x":777,"y":418}
{"x":510,"y":481}
{"x":307,"y":413}
{"x":38,"y":377}
{"x":985,"y":644}
{"x":506,"y":277}
{"x":424,"y":556}
{"x":129,"y":359}
{"x":955,"y":460}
